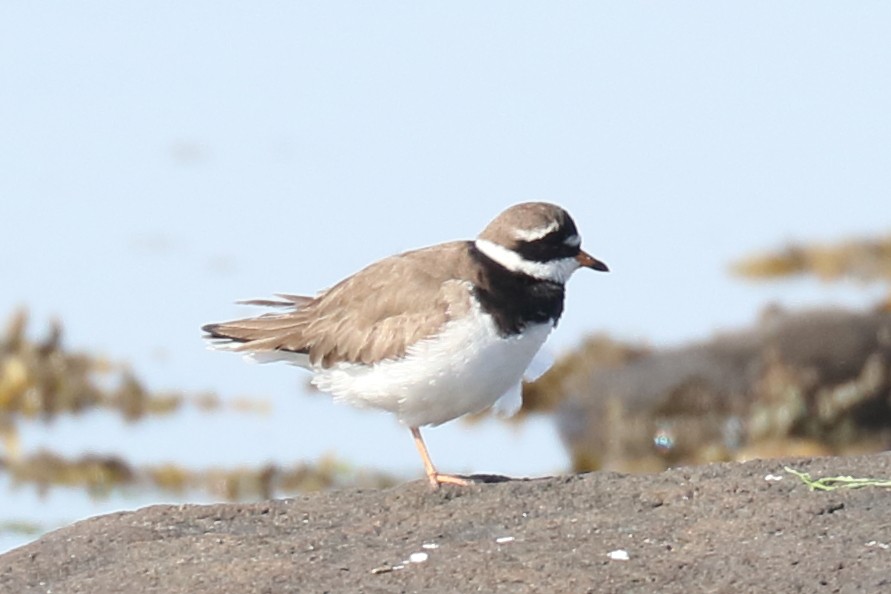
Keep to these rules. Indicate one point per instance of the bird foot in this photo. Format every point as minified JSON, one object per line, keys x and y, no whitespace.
{"x":436,"y":479}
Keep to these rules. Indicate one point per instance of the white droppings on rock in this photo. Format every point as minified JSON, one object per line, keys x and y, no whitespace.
{"x":386,"y":569}
{"x":429,"y":545}
{"x":773,"y":477}
{"x":619,"y":555}
{"x":504,"y":539}
{"x":417,"y":557}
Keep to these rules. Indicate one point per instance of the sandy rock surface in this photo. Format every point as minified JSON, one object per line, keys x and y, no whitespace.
{"x":735,"y":527}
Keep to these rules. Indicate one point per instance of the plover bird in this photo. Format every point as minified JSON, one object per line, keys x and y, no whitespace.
{"x":431,"y":334}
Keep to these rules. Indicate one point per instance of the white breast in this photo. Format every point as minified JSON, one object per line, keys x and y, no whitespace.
{"x":463,"y":370}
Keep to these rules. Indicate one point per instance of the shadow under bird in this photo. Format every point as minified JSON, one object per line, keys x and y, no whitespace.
{"x":431,"y":334}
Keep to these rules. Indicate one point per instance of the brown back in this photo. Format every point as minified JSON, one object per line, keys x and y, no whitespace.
{"x":373,"y":315}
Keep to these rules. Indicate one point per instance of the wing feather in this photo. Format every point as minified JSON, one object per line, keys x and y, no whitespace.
{"x":373,"y":315}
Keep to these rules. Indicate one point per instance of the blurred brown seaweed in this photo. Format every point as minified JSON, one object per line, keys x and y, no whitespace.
{"x":806,"y":383}
{"x":862,"y":260}
{"x":101,"y":475}
{"x":797,"y":383}
{"x":41,"y":380}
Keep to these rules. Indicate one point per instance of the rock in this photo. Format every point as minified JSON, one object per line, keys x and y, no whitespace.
{"x":819,"y":379}
{"x":730,"y":527}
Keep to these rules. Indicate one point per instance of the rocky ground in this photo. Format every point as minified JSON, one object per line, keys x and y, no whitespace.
{"x":732,"y":527}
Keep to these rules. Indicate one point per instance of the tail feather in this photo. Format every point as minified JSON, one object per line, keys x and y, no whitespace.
{"x":261,"y":333}
{"x":287,"y":300}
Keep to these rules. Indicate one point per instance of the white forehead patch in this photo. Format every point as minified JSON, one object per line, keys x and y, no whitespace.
{"x":557,"y":271}
{"x":533,"y":234}
{"x":573,"y":241}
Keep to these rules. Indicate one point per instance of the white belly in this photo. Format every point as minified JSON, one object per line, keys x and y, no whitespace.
{"x":465,"y":369}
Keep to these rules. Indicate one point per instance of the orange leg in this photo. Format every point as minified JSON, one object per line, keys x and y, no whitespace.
{"x":434,"y":477}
